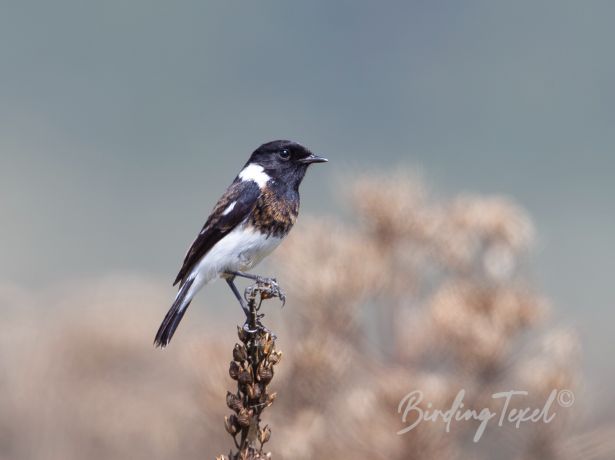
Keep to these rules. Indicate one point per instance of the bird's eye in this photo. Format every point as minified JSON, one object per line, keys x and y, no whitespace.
{"x":284,"y":154}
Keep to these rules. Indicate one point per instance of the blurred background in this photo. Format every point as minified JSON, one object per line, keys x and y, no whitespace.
{"x":484,"y":127}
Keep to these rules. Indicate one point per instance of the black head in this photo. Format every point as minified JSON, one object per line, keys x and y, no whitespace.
{"x":284,"y":160}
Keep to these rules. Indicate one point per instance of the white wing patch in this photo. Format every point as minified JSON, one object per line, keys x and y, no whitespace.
{"x":255,"y":173}
{"x":229,"y":208}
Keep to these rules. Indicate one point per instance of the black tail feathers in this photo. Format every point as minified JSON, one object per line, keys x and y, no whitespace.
{"x":173,"y":317}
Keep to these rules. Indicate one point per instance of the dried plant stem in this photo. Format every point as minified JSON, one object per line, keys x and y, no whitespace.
{"x":252,"y":369}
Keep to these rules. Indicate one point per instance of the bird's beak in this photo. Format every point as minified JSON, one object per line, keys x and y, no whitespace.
{"x":311,"y":158}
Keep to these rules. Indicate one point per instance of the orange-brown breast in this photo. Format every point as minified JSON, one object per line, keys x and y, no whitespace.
{"x":272,"y":215}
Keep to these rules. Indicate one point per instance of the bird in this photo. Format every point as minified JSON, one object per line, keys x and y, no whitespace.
{"x":248,"y":222}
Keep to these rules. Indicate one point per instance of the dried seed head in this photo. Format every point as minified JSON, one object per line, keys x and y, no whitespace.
{"x":233,"y":370}
{"x":233,"y":401}
{"x":240,"y":353}
{"x":252,"y":367}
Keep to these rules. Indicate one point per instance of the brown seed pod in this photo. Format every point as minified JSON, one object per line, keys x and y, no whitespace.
{"x":275,"y":357}
{"x":245,"y":377}
{"x":254,"y":391}
{"x":268,"y":345}
{"x":240,"y":353}
{"x":233,"y":401}
{"x":243,"y":335}
{"x":244,"y":416}
{"x":233,"y":370}
{"x":231,"y":425}
{"x":264,"y":435}
{"x":265,"y":373}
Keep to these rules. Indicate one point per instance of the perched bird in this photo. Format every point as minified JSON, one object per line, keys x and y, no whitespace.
{"x":249,"y":221}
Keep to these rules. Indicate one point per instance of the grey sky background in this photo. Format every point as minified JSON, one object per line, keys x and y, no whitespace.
{"x":122,"y":121}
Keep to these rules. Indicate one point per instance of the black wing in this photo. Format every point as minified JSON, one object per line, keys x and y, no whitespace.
{"x":244,"y":194}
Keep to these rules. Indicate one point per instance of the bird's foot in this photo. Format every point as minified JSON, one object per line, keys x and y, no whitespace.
{"x":264,"y":288}
{"x":268,"y":288}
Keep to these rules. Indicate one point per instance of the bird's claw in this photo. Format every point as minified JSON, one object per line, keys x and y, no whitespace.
{"x":275,"y":291}
{"x":268,"y":288}
{"x":282,"y":297}
{"x":265,"y":288}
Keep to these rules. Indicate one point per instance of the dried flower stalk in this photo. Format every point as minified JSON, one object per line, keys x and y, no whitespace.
{"x":252,"y":368}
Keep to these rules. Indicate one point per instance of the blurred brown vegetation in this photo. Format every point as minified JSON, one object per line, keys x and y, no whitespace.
{"x":409,"y":293}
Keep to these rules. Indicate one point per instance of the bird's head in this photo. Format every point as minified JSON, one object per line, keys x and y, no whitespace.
{"x":284,"y":160}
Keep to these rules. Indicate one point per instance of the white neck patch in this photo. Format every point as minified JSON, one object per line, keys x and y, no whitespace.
{"x":256,"y":173}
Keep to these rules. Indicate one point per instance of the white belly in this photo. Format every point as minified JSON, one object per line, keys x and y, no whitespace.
{"x":240,"y":250}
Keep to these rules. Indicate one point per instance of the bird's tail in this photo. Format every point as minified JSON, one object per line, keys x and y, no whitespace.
{"x":174,"y":315}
